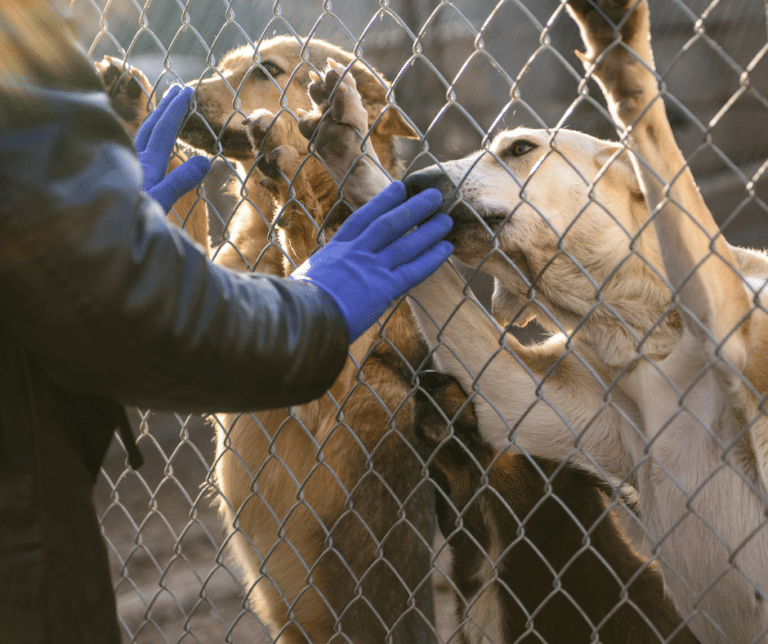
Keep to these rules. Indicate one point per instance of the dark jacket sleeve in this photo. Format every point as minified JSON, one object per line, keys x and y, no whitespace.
{"x":115,"y":302}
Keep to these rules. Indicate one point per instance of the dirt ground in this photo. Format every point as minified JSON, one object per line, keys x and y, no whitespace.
{"x":172,"y":575}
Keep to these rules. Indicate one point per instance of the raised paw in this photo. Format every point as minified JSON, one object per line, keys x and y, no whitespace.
{"x":271,"y":139}
{"x":603,"y":22}
{"x":338,"y":129}
{"x":618,"y":54}
{"x":129,"y":91}
{"x":338,"y":115}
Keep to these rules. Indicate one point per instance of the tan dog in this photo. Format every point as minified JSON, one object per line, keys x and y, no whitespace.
{"x":130,"y":93}
{"x":334,"y":523}
{"x":665,"y":394}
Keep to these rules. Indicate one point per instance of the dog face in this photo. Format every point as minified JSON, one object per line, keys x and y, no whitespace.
{"x":275,"y":78}
{"x":554,"y":214}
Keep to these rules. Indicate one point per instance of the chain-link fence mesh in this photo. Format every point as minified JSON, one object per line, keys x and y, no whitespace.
{"x":319,"y":522}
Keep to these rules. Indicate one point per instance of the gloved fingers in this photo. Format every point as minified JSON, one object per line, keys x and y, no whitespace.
{"x":395,"y":223}
{"x":392,"y":196}
{"x":179,"y":181}
{"x":411,"y":246}
{"x":146,"y":128}
{"x":166,"y":130}
{"x":421,"y":268}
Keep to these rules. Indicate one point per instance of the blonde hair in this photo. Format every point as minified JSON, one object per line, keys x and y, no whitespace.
{"x":38,"y":47}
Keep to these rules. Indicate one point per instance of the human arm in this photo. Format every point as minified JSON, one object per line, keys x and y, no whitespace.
{"x":115,"y":302}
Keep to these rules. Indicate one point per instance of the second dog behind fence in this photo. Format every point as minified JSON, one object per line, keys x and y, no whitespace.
{"x":659,"y":376}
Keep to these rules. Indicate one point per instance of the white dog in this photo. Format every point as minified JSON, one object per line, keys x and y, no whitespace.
{"x":657,"y":371}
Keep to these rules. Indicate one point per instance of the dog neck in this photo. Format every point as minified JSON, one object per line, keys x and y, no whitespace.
{"x":617,"y":325}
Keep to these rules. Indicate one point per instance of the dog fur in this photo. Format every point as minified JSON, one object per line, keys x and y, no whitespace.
{"x":655,"y":371}
{"x":536,"y":553}
{"x":333,"y":517}
{"x":130,"y":93}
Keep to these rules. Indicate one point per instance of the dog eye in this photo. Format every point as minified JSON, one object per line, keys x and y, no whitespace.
{"x":265,"y":68}
{"x":519,"y":148}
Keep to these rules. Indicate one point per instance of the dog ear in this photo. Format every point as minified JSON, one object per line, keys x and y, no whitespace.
{"x":393,"y":123}
{"x":620,"y":173}
{"x":373,"y":91}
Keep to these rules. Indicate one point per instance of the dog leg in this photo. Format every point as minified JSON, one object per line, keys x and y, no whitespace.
{"x":699,"y":263}
{"x":337,"y":127}
{"x":284,"y":168}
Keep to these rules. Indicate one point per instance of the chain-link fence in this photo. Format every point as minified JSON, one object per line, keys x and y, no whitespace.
{"x":323,"y":522}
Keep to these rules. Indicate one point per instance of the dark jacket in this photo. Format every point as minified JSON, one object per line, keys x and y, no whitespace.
{"x":102,"y":301}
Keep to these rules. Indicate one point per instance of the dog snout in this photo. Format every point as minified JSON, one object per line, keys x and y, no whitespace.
{"x":423,"y":179}
{"x":432,"y":177}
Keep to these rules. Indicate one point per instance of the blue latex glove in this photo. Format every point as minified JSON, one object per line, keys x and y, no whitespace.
{"x":154,"y":142}
{"x":371,"y":260}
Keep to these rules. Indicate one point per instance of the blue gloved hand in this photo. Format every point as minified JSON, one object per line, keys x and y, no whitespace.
{"x":154,"y":142}
{"x":371,"y":260}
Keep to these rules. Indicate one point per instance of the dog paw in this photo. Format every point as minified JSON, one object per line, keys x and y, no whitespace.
{"x":338,"y":115}
{"x":603,"y":22}
{"x":128,"y":89}
{"x":276,"y":158}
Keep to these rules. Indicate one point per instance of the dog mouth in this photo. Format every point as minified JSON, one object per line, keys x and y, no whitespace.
{"x":465,"y":216}
{"x":207,"y":136}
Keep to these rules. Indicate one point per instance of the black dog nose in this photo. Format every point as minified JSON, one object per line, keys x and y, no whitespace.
{"x":432,"y":177}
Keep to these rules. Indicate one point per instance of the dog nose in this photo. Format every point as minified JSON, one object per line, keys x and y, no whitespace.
{"x":417,"y":182}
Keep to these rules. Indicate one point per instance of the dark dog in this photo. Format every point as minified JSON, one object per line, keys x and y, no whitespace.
{"x":538,"y":556}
